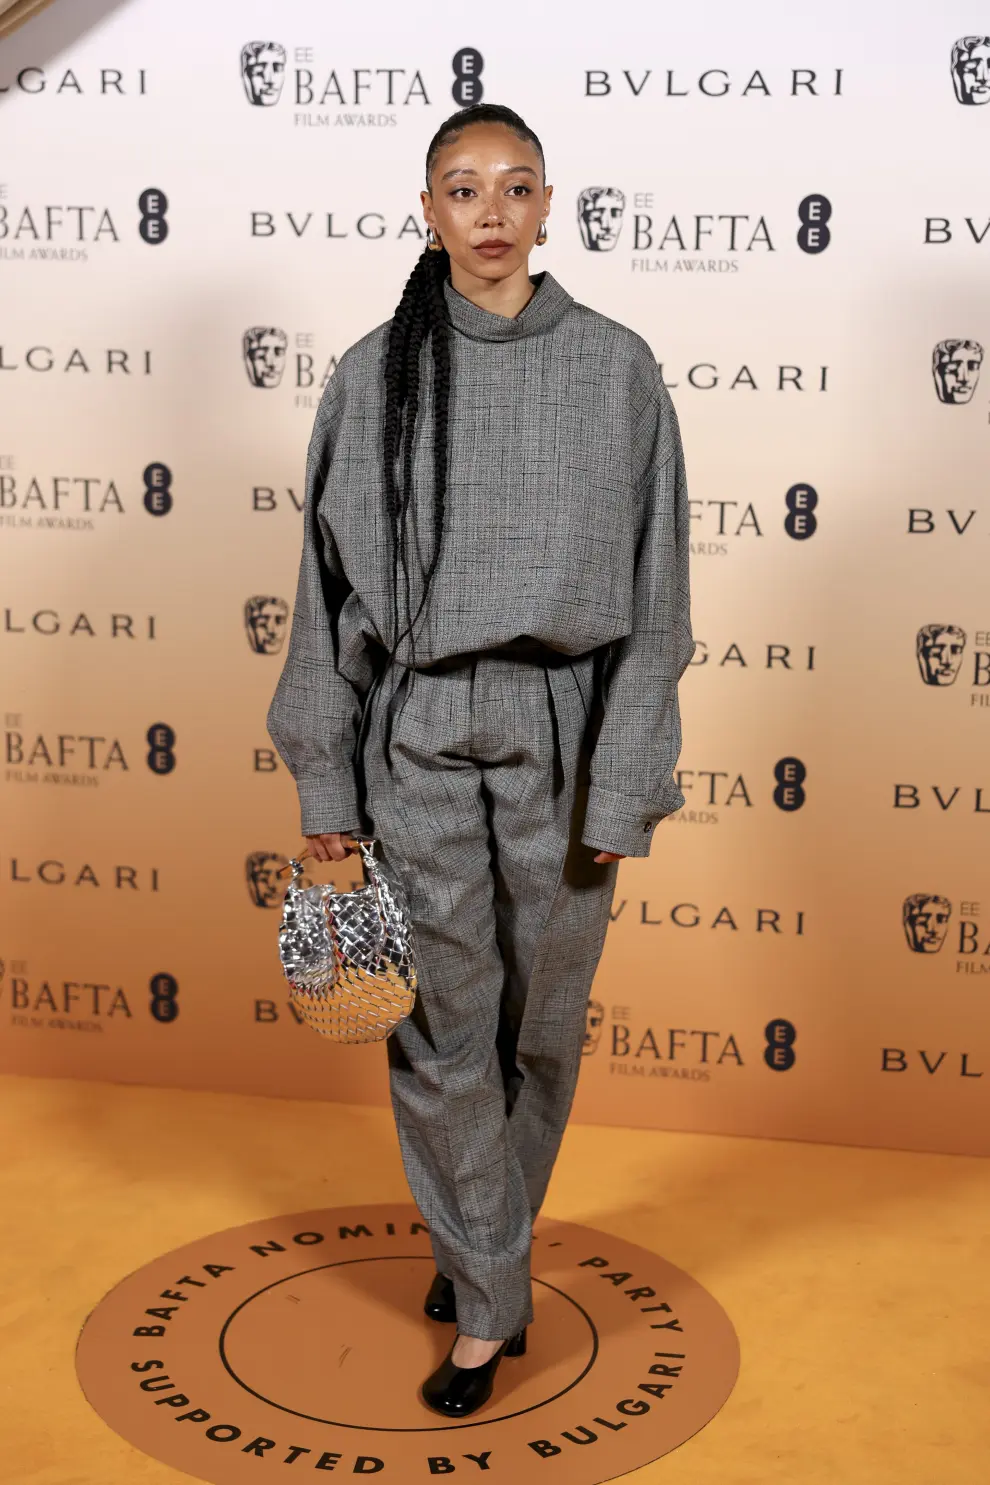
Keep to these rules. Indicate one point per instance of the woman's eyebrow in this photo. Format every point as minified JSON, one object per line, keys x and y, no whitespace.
{"x":509,"y":170}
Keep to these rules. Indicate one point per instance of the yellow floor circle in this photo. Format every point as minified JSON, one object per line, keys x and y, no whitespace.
{"x":300,"y":1341}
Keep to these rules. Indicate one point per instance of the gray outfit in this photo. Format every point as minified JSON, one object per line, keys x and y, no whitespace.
{"x":535,"y":722}
{"x":566,"y":520}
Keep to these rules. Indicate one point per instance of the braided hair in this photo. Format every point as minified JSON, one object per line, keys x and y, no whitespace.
{"x":421,"y":316}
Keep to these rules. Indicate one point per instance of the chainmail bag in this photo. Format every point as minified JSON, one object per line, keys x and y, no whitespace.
{"x":348,"y":956}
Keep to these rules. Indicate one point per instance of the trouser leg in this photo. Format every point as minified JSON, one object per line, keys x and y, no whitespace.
{"x":480,"y":815}
{"x":552,"y":913}
{"x":446,"y":1087}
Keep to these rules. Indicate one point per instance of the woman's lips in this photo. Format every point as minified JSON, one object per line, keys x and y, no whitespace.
{"x":493,"y":249}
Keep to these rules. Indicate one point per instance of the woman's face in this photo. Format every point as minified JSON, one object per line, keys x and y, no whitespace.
{"x":487,"y":200}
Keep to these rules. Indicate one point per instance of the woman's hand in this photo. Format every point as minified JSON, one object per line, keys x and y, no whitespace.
{"x":609,"y":856}
{"x":331,"y":847}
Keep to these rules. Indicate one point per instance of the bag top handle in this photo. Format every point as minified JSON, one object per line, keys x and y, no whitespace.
{"x":365,"y":846}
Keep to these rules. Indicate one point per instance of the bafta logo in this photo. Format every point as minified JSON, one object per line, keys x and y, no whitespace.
{"x":940,"y":651}
{"x":264,"y":355}
{"x":266,"y":621}
{"x":264,"y":884}
{"x":971,"y":69}
{"x":600,"y":211}
{"x":926,"y":922}
{"x":594,"y":1017}
{"x":263,"y":72}
{"x":956,"y":369}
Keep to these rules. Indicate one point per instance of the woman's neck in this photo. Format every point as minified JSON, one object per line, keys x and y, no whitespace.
{"x":501,"y":296}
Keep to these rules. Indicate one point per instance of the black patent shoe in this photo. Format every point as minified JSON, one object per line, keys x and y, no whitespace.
{"x":517,"y":1344}
{"x":440,"y":1303}
{"x":457,"y":1391}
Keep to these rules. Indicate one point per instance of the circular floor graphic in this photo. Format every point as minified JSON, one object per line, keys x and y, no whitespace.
{"x":300,"y":1341}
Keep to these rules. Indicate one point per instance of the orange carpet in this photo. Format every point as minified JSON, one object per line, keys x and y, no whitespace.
{"x":856,"y":1279}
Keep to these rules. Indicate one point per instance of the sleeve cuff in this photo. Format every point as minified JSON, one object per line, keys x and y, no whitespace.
{"x":329,"y":804}
{"x":620,"y":823}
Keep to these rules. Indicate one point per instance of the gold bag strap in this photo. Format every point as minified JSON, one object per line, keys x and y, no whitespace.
{"x":367,"y":849}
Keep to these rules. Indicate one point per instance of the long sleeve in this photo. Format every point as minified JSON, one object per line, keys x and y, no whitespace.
{"x":315,"y":712}
{"x":632,"y":784}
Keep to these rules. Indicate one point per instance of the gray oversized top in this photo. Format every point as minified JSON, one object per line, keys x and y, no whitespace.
{"x":566,"y":521}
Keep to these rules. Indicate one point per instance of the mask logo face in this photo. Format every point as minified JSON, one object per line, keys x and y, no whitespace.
{"x":265,"y":348}
{"x":970,"y":64}
{"x":600,"y":211}
{"x":267,"y":622}
{"x":263,"y":72}
{"x":264,"y":884}
{"x":940,"y":651}
{"x":594,"y":1018}
{"x":956,"y":369}
{"x":926,"y":922}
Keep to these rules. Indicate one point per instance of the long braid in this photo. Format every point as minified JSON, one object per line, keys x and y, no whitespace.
{"x":441,"y":420}
{"x":421,"y":315}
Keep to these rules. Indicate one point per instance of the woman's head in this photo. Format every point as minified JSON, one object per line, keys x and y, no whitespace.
{"x":486,"y":184}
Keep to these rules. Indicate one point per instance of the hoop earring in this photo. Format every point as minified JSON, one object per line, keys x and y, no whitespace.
{"x":432,"y":241}
{"x":541,"y":236}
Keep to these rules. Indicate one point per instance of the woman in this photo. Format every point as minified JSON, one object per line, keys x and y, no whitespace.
{"x":491,"y":621}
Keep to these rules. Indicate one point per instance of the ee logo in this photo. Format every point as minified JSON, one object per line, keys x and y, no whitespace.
{"x":790,"y":774}
{"x":161,"y":745}
{"x":164,"y":990}
{"x":813,"y":235}
{"x":779,"y":1051}
{"x":800,"y":521}
{"x":157,"y":489}
{"x":153,"y":205}
{"x":468,"y":66}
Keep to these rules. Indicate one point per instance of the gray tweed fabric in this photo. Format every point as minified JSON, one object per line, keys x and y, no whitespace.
{"x":478,"y":802}
{"x":566,"y":521}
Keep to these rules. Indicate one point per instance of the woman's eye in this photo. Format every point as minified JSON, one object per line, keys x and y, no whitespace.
{"x":526,"y":190}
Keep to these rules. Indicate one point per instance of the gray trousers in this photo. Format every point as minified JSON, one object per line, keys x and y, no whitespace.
{"x":475,"y":782}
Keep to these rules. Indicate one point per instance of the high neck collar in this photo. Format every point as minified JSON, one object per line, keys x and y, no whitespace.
{"x":550,"y":302}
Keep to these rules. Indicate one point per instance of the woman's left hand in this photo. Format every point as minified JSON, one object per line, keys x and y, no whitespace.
{"x":609,"y":856}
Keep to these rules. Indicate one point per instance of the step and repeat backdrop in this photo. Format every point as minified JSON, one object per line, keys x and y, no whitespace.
{"x":201,"y":207}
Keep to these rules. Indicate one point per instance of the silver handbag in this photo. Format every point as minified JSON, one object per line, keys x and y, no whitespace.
{"x":348,"y":956}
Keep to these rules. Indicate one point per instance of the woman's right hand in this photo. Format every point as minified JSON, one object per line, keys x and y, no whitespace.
{"x":331,"y":847}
